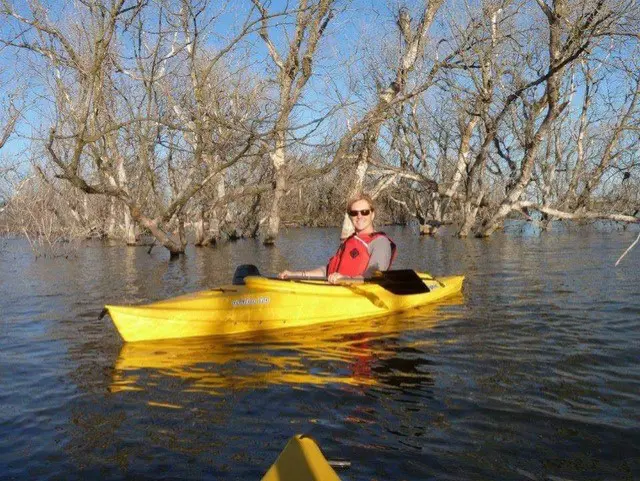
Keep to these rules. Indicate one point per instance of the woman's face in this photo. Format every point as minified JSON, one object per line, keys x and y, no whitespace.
{"x":361,"y":223}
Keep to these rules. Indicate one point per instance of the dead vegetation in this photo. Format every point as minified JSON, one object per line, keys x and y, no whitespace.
{"x":168,"y":120}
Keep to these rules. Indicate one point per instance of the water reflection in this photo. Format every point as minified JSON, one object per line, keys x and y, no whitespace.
{"x":130,"y":271}
{"x":338,"y":354}
{"x":537,"y":377}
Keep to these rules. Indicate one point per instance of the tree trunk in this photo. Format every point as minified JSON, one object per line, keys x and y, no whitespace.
{"x":165,"y":239}
{"x":214,"y":233}
{"x":278,"y":161}
{"x":110,"y":229}
{"x":470,"y":214}
{"x":428,"y":229}
{"x":182,"y":234}
{"x":217,"y":215}
{"x":464,"y":154}
{"x":470,"y":206}
{"x":199,"y":229}
{"x":130,"y":228}
{"x":358,"y":183}
{"x":431,"y":228}
{"x":549,"y":178}
{"x":580,"y":146}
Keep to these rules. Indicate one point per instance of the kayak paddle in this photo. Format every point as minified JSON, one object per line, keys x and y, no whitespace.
{"x":400,"y":281}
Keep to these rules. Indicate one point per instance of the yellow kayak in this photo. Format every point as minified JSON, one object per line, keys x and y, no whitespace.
{"x":293,"y":362}
{"x":301,"y":460}
{"x":263,"y":304}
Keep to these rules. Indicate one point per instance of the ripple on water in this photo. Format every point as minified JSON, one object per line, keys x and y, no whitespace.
{"x":533,"y":375}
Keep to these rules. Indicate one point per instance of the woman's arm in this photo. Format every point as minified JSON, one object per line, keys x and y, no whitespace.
{"x":317,"y":272}
{"x":380,"y":260}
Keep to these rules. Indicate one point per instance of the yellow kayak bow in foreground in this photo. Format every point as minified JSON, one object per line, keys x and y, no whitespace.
{"x":263,"y":304}
{"x":301,"y":460}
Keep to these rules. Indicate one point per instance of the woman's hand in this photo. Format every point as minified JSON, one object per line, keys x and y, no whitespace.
{"x":285,"y":274}
{"x":336,"y":277}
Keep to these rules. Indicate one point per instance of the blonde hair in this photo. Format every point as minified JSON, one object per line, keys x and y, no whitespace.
{"x":359,"y":197}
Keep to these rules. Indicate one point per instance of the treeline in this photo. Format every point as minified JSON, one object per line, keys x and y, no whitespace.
{"x":211,"y":120}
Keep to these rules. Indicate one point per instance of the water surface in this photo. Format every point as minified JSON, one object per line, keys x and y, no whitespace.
{"x":533,"y":374}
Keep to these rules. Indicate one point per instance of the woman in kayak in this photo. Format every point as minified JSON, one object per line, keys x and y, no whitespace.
{"x":359,"y":255}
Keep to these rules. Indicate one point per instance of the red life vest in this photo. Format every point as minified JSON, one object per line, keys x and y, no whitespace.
{"x":352,"y":257}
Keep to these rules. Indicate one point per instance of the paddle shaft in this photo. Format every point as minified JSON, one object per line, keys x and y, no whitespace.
{"x":402,"y":281}
{"x":350,"y":280}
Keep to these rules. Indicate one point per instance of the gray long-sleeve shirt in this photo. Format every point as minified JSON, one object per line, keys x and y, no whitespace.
{"x":380,"y":252}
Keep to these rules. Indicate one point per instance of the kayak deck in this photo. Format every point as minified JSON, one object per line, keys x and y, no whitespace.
{"x":263,"y":304}
{"x":301,"y":460}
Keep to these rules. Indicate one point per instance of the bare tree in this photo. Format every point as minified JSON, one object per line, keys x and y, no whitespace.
{"x":500,"y":129}
{"x":294,"y":68}
{"x":359,"y":142}
{"x":9,"y":115}
{"x":589,"y":170}
{"x":170,"y":112}
{"x":567,"y":41}
{"x":429,"y":177}
{"x":84,"y":144}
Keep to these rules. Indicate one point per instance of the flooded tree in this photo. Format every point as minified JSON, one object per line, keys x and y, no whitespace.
{"x":293,"y":69}
{"x":502,"y":109}
{"x":9,"y":115}
{"x":393,"y":88}
{"x":121,"y":128}
{"x":197,"y":122}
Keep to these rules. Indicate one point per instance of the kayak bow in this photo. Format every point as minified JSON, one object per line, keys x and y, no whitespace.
{"x":301,"y":460}
{"x":263,"y":304}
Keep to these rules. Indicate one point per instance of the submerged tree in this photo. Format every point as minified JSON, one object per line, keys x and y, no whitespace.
{"x":128,"y":140}
{"x":178,"y":118}
{"x":294,"y":68}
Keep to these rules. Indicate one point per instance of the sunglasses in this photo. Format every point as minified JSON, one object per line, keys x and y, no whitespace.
{"x":363,"y":212}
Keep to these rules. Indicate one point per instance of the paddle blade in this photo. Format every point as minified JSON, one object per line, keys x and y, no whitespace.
{"x":401,"y":282}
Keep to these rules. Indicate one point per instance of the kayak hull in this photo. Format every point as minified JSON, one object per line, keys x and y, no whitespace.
{"x":264,"y":304}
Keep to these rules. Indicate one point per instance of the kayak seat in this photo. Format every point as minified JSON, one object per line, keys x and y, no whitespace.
{"x":243,"y":271}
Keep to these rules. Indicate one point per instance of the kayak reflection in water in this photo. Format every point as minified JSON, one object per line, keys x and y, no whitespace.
{"x":361,"y":254}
